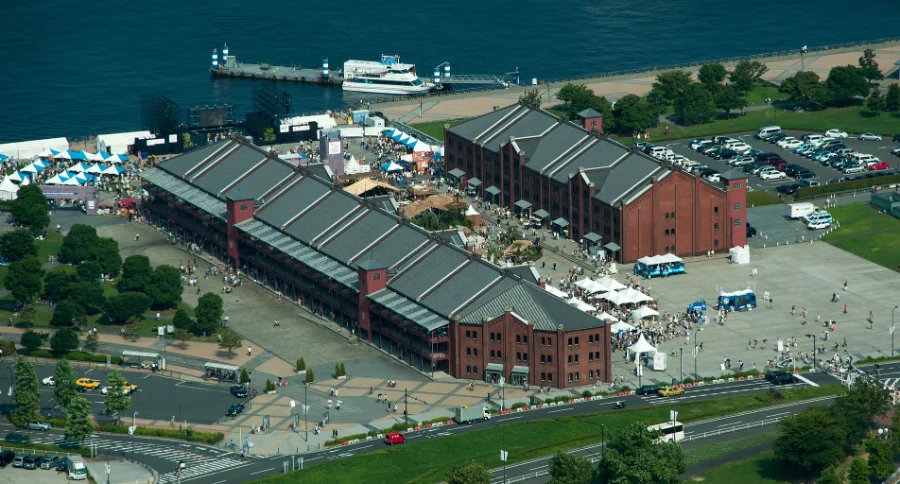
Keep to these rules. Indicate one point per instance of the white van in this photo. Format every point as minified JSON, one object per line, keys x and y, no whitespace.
{"x":766,"y":131}
{"x":659,"y":152}
{"x":817,"y":215}
{"x":862,"y":158}
{"x":799,"y":210}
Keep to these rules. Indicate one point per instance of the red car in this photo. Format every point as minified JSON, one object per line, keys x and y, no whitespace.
{"x":879,"y":165}
{"x":394,"y":438}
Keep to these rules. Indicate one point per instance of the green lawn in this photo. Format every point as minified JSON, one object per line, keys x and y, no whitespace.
{"x":760,"y":93}
{"x":758,"y":199}
{"x":704,"y":453}
{"x":866,"y":233}
{"x":428,"y":461}
{"x":435,"y":129}
{"x":49,"y":246}
{"x":762,"y":469}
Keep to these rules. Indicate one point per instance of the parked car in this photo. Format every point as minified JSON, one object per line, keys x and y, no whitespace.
{"x":642,"y":145}
{"x":879,"y":165}
{"x":699,"y":141}
{"x":787,"y":139}
{"x":895,"y":151}
{"x":394,"y":438}
{"x":31,"y":462}
{"x":239,"y":391}
{"x":713,"y":178}
{"x":706,"y":149}
{"x":49,"y":461}
{"x":804,"y":173}
{"x":723,"y":154}
{"x":870,"y":137}
{"x":647,"y":390}
{"x":235,"y":410}
{"x":818,"y":225}
{"x":791,"y":144}
{"x":776,"y":138}
{"x":49,"y":381}
{"x":792,"y":169}
{"x":857,"y":168}
{"x":18,"y":461}
{"x":772,"y":175}
{"x":788,"y":189}
{"x":740,"y":147}
{"x":807,"y":182}
{"x":836,"y":133}
{"x":6,"y":457}
{"x":761,"y":168}
{"x":38,"y":425}
{"x":702,"y":144}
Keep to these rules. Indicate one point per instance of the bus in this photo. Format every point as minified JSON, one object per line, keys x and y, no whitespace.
{"x":672,"y":431}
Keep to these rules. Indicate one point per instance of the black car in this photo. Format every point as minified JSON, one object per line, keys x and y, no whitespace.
{"x":789,"y":189}
{"x":647,"y":390}
{"x":723,"y":154}
{"x":785,"y":379}
{"x":748,"y":168}
{"x":804,"y":173}
{"x":751,"y":231}
{"x":778,"y":137}
{"x":235,"y":410}
{"x":774,"y":374}
{"x":239,"y":391}
{"x":792,"y":168}
{"x":642,"y":146}
{"x":896,"y":138}
{"x":6,"y":457}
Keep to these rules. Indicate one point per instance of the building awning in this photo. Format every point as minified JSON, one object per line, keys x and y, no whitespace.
{"x":457,"y":173}
{"x":520,"y":369}
{"x":474,"y":183}
{"x":542,"y":214}
{"x":612,"y":246}
{"x":523,"y":204}
{"x":492,"y":190}
{"x":220,"y":366}
{"x":593,"y":238}
{"x":561,"y":222}
{"x":494,"y":367}
{"x":139,"y":354}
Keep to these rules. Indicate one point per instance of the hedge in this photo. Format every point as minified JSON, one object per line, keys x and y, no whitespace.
{"x":76,"y":356}
{"x":812,"y":192}
{"x":189,"y":435}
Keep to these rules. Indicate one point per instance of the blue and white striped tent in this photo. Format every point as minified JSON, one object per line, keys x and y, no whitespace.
{"x":398,"y":135}
{"x":411,"y":142}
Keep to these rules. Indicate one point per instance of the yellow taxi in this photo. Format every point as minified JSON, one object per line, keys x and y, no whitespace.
{"x":127,"y":389}
{"x":671,"y":391}
{"x":87,"y":383}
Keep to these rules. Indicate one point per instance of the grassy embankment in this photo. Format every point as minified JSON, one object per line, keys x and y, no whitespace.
{"x":866,"y":233}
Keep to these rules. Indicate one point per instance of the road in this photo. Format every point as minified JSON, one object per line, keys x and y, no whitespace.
{"x":703,"y":432}
{"x":157,"y":398}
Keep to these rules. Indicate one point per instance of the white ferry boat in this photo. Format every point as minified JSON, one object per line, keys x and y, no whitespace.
{"x":389,"y":76}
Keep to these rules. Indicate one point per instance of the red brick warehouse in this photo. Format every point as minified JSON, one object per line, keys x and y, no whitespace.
{"x":593,"y":188}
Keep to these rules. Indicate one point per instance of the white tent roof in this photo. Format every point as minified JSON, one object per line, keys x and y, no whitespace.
{"x":94,"y":169}
{"x":119,"y":142}
{"x":606,"y":316}
{"x":8,"y":189}
{"x":421,"y":146}
{"x":556,"y":292}
{"x":609,"y":284}
{"x":626,"y":296}
{"x":95,"y":157}
{"x":29,"y":149}
{"x":643,"y":312}
{"x":620,"y":326}
{"x":641,"y":346}
{"x":16,"y":177}
{"x":579,"y":304}
{"x":54,"y":180}
{"x":668,"y":258}
{"x":471,"y":211}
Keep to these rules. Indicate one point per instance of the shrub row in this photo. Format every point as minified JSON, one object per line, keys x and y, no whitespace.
{"x":76,"y":356}
{"x":189,"y":434}
{"x":812,"y":192}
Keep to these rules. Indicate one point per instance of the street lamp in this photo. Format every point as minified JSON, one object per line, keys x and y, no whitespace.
{"x":815,"y":363}
{"x":892,"y":331}
{"x":696,"y":352}
{"x":681,"y":360}
{"x":132,"y":430}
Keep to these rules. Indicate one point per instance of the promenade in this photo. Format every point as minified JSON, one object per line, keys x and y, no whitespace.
{"x":464,"y":105}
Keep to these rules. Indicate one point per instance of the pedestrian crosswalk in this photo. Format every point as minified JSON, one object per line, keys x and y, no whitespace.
{"x":891,"y":383}
{"x":197,"y":469}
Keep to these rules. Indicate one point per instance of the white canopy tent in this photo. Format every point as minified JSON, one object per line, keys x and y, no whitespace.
{"x":581,"y":305}
{"x":29,"y":149}
{"x":94,"y":169}
{"x":471,"y":212}
{"x":626,"y":296}
{"x":605,"y":316}
{"x":620,"y":327}
{"x":8,"y":189}
{"x":642,"y":313}
{"x":604,"y":284}
{"x":556,"y":292}
{"x":641,"y":346}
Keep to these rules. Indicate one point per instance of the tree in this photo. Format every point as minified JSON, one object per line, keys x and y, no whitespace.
{"x":106,"y":254}
{"x":866,"y":399}
{"x":182,"y":320}
{"x":310,"y":376}
{"x":694,"y":105}
{"x":230,"y":341}
{"x":58,"y":285}
{"x":269,"y":135}
{"x":165,"y":287}
{"x":209,"y":312}
{"x":182,"y":335}
{"x":633,"y":114}
{"x":746,"y":74}
{"x":301,"y":364}
{"x":575,"y":97}
{"x":91,"y":342}
{"x":894,"y":434}
{"x":812,"y":439}
{"x":729,"y":99}
{"x":859,"y":472}
{"x":116,"y":400}
{"x":892,"y":100}
{"x":64,"y":390}
{"x":569,"y":469}
{"x":531,"y":99}
{"x":24,"y":279}
{"x":869,"y":66}
{"x":78,"y":419}
{"x":64,"y":341}
{"x":17,"y":245}
{"x":846,"y":83}
{"x":656,"y":104}
{"x":88,"y":295}
{"x":806,"y":89}
{"x":671,"y":83}
{"x":831,"y":476}
{"x":66,"y":314}
{"x":632,"y":456}
{"x":76,"y":246}
{"x":136,"y":272}
{"x":31,"y":340}
{"x":28,"y":315}
{"x":119,"y":309}
{"x":30,"y":208}
{"x":89,"y":271}
{"x":471,"y":473}
{"x":875,"y":102}
{"x":881,"y":458}
{"x":711,"y":76}
{"x":133,"y":325}
{"x":245,"y":377}
{"x":27,"y":395}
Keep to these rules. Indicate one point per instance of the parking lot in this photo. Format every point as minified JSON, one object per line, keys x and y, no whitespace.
{"x":12,"y":475}
{"x":824,"y":174}
{"x":156,"y":398}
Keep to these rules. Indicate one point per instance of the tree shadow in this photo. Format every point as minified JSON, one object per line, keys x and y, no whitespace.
{"x":868,"y":114}
{"x":769,"y":467}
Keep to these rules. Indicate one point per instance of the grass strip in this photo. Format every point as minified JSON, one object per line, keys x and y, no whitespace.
{"x":761,"y":469}
{"x":866,"y":233}
{"x":428,"y":461}
{"x":704,"y":453}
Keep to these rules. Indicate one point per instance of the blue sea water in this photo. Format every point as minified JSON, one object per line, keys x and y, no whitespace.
{"x":78,"y":68}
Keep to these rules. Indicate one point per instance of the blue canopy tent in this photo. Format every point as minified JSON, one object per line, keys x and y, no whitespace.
{"x":115,"y":158}
{"x":78,"y":155}
{"x":389,"y":132}
{"x":403,"y":139}
{"x":391,"y":166}
{"x":3,"y":157}
{"x":398,"y":135}
{"x":411,"y":142}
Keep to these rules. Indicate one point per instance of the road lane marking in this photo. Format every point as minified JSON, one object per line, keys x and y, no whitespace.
{"x":730,"y":424}
{"x":508,"y":419}
{"x":563,"y":410}
{"x":220,"y":482}
{"x":778,"y":414}
{"x":260,"y":472}
{"x":806,"y":380}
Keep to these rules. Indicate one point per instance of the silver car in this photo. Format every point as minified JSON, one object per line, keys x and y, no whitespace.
{"x":39,"y":425}
{"x":870,"y":137}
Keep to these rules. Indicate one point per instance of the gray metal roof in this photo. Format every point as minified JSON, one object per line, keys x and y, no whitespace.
{"x":184,"y":162}
{"x":421,"y":277}
{"x":363,"y":233}
{"x":396,"y":246}
{"x":474,"y":182}
{"x":261,"y":180}
{"x":553,"y":144}
{"x":322,"y":216}
{"x":523,"y":204}
{"x":409,"y":309}
{"x":492,"y":190}
{"x":463,"y":286}
{"x":561,"y":222}
{"x":589,"y":113}
{"x":226,"y":169}
{"x":278,"y":211}
{"x":593,"y":237}
{"x":624,"y":176}
{"x":186,"y":192}
{"x":534,"y":122}
{"x":472,"y":128}
{"x":542,"y":213}
{"x":600,"y":155}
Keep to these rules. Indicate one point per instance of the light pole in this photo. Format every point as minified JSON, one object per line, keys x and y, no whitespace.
{"x":892,"y":331}
{"x":502,"y":431}
{"x":695,"y":353}
{"x":305,"y":409}
{"x":815,"y":363}
{"x":132,"y":430}
{"x":681,"y":360}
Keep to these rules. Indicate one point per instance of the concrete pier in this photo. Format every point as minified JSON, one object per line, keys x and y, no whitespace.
{"x":278,"y":73}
